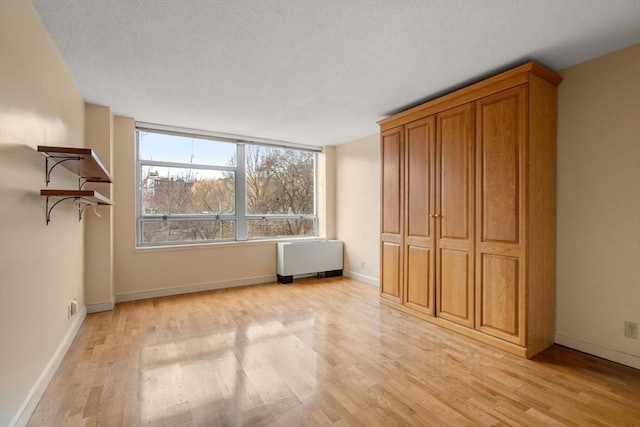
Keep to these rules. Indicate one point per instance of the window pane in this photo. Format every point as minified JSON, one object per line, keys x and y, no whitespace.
{"x":185,"y":149}
{"x":280,"y":227}
{"x":187,"y":191}
{"x":187,"y":231}
{"x":279,"y":181}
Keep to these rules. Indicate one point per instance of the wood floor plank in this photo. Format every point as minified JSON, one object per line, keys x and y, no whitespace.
{"x":315,"y":353}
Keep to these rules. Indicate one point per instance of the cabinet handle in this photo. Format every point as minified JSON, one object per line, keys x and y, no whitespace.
{"x":435,"y":215}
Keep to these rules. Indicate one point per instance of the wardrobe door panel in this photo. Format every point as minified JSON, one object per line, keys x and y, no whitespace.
{"x":391,"y":262}
{"x":418,"y":137}
{"x":419,"y":187}
{"x":419,"y":294}
{"x":500,"y":167}
{"x":500,"y":290}
{"x":392,"y":214}
{"x":392,"y":154}
{"x":454,"y":301}
{"x":501,"y":175}
{"x":454,"y":210}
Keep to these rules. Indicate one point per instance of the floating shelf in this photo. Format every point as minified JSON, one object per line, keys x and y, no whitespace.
{"x":81,"y":161}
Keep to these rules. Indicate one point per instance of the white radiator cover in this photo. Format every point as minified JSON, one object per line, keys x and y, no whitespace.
{"x":309,"y":257}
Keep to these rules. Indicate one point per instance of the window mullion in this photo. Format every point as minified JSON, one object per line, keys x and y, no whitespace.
{"x":138,"y":192}
{"x":315,"y":195}
{"x":187,"y":165}
{"x":241,"y":194}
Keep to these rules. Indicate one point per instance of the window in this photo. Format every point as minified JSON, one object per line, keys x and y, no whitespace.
{"x":202,"y":188}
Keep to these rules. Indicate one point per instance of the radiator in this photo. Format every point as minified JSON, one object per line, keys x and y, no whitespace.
{"x":295,"y":258}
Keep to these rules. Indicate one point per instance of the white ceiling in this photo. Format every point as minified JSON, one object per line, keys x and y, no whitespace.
{"x":310,"y":71}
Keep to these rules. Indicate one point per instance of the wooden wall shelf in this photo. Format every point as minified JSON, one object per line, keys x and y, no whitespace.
{"x":82,"y":198}
{"x":82,"y":161}
{"x":90,"y":196}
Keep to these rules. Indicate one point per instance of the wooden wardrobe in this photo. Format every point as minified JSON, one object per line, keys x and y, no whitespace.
{"x":468,"y":210}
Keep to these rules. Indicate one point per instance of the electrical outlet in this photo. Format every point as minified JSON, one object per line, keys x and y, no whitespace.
{"x":631,"y":330}
{"x":69,"y":311}
{"x":74,"y":307}
{"x":362,"y":265}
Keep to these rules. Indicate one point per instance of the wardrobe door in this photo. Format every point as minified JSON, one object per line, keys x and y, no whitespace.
{"x":419,"y":251}
{"x":454,"y":215}
{"x":501,"y":175}
{"x":391,"y":152}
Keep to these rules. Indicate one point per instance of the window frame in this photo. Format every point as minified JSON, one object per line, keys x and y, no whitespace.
{"x":240,"y":215}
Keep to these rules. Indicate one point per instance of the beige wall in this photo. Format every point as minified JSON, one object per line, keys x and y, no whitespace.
{"x":357,"y":169}
{"x":149,"y":272}
{"x":326,"y":193}
{"x":41,"y":267}
{"x":598,"y":246}
{"x":98,"y":275}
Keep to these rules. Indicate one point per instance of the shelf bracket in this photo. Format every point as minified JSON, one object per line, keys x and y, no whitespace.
{"x":82,"y":205}
{"x":49,"y":169}
{"x":81,"y":183}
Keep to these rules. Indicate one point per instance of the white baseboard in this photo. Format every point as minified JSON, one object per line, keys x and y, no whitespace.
{"x":362,"y":278}
{"x":31,"y":401}
{"x":103,"y":306}
{"x":133,"y":296}
{"x":613,"y":354}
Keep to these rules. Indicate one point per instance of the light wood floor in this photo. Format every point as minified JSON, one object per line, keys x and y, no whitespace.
{"x":318,"y":352}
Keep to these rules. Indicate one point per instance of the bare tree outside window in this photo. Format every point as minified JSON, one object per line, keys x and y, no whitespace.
{"x":279,"y":182}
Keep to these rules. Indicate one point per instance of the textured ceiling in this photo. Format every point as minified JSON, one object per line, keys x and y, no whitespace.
{"x":310,"y":71}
